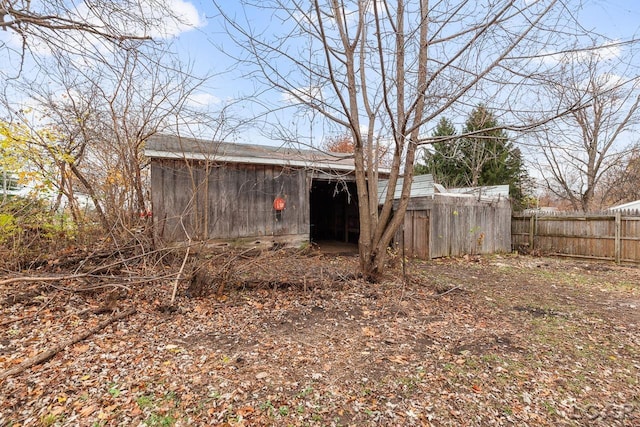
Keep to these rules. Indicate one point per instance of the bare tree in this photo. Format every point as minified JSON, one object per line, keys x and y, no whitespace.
{"x":105,"y":19}
{"x":620,"y":184}
{"x":88,"y":33}
{"x":100,"y":118}
{"x":580,"y":149}
{"x":72,"y":26}
{"x":388,"y":69}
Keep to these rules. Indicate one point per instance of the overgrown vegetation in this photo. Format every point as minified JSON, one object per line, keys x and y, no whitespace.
{"x":31,"y":232}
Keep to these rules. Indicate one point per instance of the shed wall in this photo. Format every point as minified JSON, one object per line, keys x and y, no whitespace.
{"x":204,"y":201}
{"x":456,"y":226}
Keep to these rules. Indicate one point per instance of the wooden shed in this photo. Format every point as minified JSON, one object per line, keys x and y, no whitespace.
{"x":250,"y":194}
{"x":440,"y":222}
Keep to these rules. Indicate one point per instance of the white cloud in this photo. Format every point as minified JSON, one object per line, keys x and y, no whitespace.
{"x":202,"y":99}
{"x":159,"y":19}
{"x":183,"y":16}
{"x":606,"y":51}
{"x":604,"y":81}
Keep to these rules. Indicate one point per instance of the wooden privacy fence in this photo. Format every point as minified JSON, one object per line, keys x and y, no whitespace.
{"x":454,"y":225}
{"x":609,"y":236}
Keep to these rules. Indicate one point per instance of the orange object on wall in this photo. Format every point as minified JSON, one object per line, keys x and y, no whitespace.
{"x":279,"y":204}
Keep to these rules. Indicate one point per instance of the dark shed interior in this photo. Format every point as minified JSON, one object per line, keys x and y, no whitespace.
{"x":334,"y":211}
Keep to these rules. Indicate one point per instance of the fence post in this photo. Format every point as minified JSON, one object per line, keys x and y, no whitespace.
{"x":531,"y":232}
{"x":617,"y":245}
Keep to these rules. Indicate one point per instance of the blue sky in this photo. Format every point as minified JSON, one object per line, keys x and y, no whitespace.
{"x":199,"y":38}
{"x":615,"y":19}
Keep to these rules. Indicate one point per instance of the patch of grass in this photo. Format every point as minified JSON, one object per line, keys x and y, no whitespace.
{"x":471,"y":362}
{"x":157,"y":420}
{"x":551,"y":410}
{"x":48,"y":420}
{"x":409,"y":384}
{"x":366,"y":391}
{"x":283,"y":411}
{"x":114,"y":390}
{"x":491,"y":359}
{"x":304,"y":393}
{"x":144,"y":402}
{"x":267,"y":407}
{"x":163,"y":417}
{"x":171,"y":395}
{"x":622,"y":285}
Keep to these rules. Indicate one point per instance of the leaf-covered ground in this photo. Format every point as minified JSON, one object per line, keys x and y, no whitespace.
{"x":298,"y":340}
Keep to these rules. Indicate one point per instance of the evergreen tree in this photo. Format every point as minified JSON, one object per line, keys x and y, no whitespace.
{"x":442,"y":160}
{"x":483,"y":155}
{"x":490,"y":155}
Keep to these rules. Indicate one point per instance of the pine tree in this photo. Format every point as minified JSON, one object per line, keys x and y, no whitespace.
{"x":442,"y":160}
{"x":483,"y":155}
{"x":490,"y":156}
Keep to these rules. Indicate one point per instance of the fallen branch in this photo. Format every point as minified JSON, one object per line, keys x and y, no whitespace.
{"x":448,"y":291}
{"x":89,"y":273}
{"x":48,"y":354}
{"x":40,"y":279}
{"x":175,"y":283}
{"x":184,"y":262}
{"x":10,"y":321}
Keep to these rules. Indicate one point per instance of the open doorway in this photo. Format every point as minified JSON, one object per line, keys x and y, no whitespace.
{"x":334,"y":211}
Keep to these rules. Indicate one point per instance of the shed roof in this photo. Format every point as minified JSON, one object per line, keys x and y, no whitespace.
{"x":421,"y":186}
{"x":424,"y":186}
{"x":490,"y":191}
{"x":174,"y":147}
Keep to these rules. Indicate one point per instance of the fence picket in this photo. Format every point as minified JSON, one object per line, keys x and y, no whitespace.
{"x":608,"y":235}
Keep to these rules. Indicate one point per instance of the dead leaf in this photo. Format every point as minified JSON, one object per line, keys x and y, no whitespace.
{"x":398,"y":359}
{"x":243,"y":412}
{"x":88,"y":410}
{"x":368,"y":332}
{"x":81,"y":348}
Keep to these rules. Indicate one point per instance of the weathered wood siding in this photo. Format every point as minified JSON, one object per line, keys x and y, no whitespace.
{"x":608,"y":236}
{"x":452,"y":226}
{"x":413,"y":238}
{"x":231,"y":201}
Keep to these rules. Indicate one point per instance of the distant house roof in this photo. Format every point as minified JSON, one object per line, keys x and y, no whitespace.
{"x":174,"y":147}
{"x":490,"y":191}
{"x":635,"y":205}
{"x":421,"y":186}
